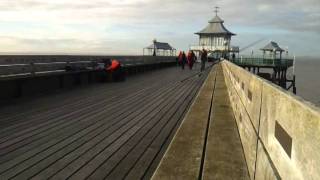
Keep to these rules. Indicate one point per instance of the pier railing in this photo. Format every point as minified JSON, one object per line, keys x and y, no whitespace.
{"x":32,"y":68}
{"x":10,"y":70}
{"x":263,"y":62}
{"x":22,"y":76}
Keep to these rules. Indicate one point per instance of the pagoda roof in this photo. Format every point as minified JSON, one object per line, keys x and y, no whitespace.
{"x":215,"y":27}
{"x":216,"y":19}
{"x":160,"y":45}
{"x":272,"y":46}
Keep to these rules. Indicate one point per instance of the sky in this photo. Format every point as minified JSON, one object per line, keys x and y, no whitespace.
{"x":124,"y":27}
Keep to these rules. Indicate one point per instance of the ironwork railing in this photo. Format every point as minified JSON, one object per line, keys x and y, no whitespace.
{"x":37,"y":68}
{"x":263,"y":62}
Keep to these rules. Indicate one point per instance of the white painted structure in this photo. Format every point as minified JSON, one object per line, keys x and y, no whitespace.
{"x":215,"y":37}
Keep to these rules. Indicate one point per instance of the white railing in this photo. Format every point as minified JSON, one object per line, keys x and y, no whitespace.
{"x":208,"y":48}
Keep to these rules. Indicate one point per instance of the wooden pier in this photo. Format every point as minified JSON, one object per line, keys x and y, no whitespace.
{"x":103,"y":131}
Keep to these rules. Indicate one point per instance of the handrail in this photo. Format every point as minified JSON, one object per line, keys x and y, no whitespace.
{"x":33,"y":68}
{"x":263,"y":62}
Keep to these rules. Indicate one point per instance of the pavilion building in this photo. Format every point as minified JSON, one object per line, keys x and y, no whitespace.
{"x":215,"y":38}
{"x":159,"y":49}
{"x":275,"y":51}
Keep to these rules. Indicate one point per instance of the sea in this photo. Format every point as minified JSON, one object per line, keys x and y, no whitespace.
{"x":307,"y":72}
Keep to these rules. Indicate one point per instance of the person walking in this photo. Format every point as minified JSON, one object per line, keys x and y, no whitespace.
{"x":183,"y":60}
{"x":204,"y":58}
{"x":179,"y":58}
{"x":191,"y":59}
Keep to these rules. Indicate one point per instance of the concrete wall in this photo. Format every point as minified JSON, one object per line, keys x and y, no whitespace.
{"x":280,"y":132}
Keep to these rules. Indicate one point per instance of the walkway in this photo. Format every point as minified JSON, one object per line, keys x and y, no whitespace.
{"x":207,"y":144}
{"x":105,"y":131}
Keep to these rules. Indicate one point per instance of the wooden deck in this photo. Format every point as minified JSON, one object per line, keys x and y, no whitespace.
{"x":106,"y":131}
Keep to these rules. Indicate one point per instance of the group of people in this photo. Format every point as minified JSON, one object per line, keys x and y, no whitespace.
{"x":114,"y":71}
{"x":191,"y":58}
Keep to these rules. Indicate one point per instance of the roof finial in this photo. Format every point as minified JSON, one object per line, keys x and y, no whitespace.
{"x":217,"y":10}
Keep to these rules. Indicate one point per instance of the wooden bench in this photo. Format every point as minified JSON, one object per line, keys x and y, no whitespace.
{"x":207,"y":144}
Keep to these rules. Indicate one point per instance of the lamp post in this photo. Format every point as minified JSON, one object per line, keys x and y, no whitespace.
{"x":225,"y":42}
{"x":154,"y":47}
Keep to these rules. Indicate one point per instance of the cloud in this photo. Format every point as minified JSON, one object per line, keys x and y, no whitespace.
{"x":137,"y":22}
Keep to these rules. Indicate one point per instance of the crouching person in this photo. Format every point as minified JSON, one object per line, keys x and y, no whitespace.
{"x":115,"y":70}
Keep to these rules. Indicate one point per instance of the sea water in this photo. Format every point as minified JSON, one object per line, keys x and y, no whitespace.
{"x":307,"y":72}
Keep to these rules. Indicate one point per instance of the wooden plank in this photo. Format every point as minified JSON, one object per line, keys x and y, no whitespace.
{"x":141,"y":139}
{"x":81,"y":142}
{"x":155,"y":142}
{"x":81,"y":110}
{"x":143,"y":167}
{"x":55,"y":127}
{"x":142,"y":81}
{"x":93,"y":146}
{"x":63,"y":151}
{"x":46,"y":103}
{"x":116,"y":117}
{"x":97,"y":98}
{"x":99,"y":159}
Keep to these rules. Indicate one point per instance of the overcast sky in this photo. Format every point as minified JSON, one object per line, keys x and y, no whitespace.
{"x":126,"y":26}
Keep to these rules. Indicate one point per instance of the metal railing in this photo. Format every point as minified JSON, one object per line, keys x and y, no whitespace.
{"x":10,"y":70}
{"x":39,"y":68}
{"x":253,"y":61}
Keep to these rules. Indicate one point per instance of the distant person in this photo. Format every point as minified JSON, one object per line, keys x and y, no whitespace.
{"x":191,"y":59}
{"x":183,"y":60}
{"x":115,"y":69}
{"x":204,"y":58}
{"x":179,"y":58}
{"x":233,"y":56}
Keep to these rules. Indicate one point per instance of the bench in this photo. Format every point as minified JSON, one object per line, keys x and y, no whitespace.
{"x":207,"y":144}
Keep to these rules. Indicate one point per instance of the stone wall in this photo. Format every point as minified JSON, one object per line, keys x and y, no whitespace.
{"x":280,"y":132}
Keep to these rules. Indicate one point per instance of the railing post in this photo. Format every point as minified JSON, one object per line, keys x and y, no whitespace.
{"x":33,"y":71}
{"x":293,"y":64}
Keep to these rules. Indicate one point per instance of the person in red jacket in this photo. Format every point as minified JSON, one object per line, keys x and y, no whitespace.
{"x":191,"y":59}
{"x":182,"y":59}
{"x":114,"y":68}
